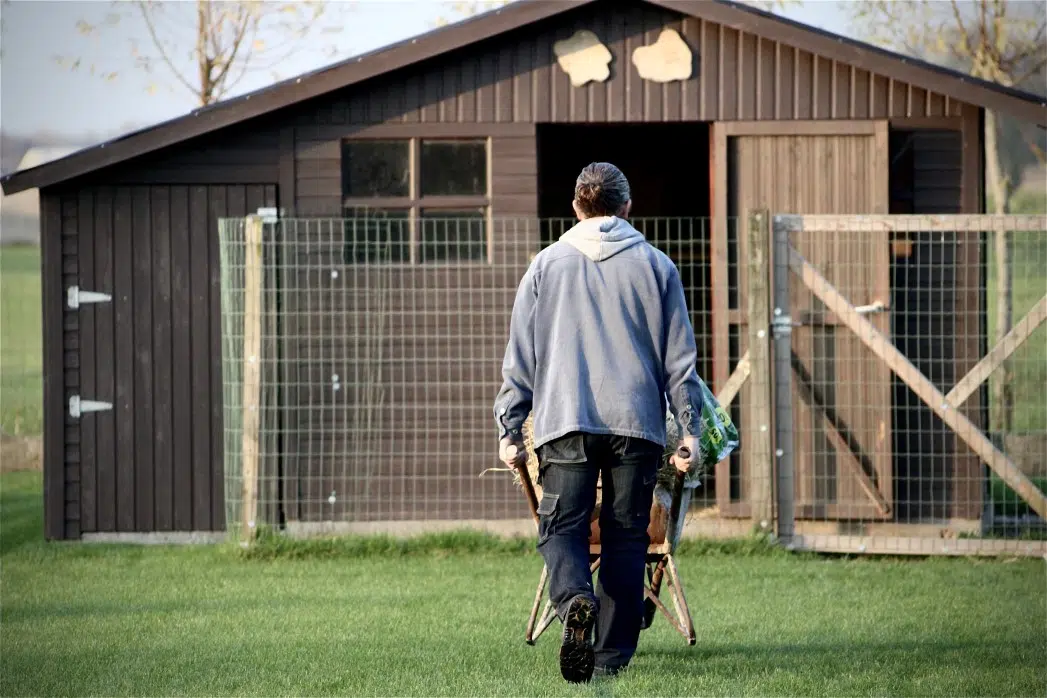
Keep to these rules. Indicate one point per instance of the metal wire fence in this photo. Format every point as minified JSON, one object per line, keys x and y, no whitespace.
{"x":918,"y":363}
{"x":380,"y":356}
{"x":378,"y":343}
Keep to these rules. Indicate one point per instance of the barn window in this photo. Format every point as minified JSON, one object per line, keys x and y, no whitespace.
{"x":416,"y":200}
{"x":453,"y":168}
{"x":376,"y":169}
{"x":453,"y":236}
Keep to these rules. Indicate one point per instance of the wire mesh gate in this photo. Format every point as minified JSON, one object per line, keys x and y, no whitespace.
{"x":358,"y":376}
{"x":884,"y":336}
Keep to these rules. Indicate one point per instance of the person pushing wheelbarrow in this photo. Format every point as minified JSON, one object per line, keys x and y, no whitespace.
{"x":600,"y":341}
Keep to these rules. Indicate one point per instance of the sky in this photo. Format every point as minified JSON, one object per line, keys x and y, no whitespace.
{"x":38,"y":93}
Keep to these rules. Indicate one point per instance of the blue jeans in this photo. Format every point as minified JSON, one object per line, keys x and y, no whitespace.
{"x":568,"y":471}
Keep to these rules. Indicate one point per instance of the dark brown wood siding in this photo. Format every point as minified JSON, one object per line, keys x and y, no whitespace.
{"x":244,"y":154}
{"x":736,"y":76}
{"x":154,"y":462}
{"x":395,"y":369}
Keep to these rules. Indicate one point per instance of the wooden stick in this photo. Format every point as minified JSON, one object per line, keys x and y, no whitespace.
{"x":680,"y":599}
{"x":735,"y":382}
{"x":999,"y":353}
{"x":665,"y":611}
{"x":759,"y":428}
{"x":839,"y":434}
{"x":925,"y":224}
{"x":529,"y":636}
{"x":912,"y":377}
{"x":525,"y":481}
{"x":252,"y":373}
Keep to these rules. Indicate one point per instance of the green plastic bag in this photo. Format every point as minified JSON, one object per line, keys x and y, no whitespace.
{"x":716,"y":441}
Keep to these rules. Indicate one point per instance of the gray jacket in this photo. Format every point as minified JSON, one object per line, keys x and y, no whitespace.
{"x":600,"y":340}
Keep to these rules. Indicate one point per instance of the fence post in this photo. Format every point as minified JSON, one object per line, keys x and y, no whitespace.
{"x":252,"y":374}
{"x":783,"y":392}
{"x":759,"y":413}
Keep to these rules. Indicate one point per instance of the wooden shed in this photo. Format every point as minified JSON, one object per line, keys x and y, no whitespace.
{"x":709,"y":107}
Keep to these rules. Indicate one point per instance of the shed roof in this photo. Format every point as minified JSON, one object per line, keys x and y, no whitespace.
{"x":954,"y":84}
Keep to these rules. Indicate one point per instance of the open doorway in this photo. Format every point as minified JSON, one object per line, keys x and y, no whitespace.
{"x":667,"y":166}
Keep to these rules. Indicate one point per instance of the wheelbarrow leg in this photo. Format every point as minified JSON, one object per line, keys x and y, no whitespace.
{"x":530,"y":636}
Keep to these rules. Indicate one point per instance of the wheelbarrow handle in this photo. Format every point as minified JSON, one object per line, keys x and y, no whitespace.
{"x":683,"y":453}
{"x":525,"y":480}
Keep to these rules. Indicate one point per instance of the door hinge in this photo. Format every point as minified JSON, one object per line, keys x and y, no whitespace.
{"x":78,"y":407}
{"x":270,"y":214}
{"x":75,"y":297}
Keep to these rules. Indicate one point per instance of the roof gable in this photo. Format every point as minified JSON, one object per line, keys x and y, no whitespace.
{"x":492,"y":24}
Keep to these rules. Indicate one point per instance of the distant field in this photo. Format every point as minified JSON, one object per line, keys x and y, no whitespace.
{"x":21,"y":342}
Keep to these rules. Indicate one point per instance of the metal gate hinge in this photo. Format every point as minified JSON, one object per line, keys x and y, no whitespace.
{"x":782,"y":326}
{"x":75,"y":297}
{"x":78,"y":407}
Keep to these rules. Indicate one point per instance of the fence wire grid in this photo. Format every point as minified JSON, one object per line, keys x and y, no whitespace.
{"x":382,"y":341}
{"x":914,"y":450}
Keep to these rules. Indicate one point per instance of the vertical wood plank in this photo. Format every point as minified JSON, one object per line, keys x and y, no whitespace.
{"x":761,"y":464}
{"x":522,"y":81}
{"x":634,"y":84}
{"x":542,"y":78}
{"x":719,"y":286}
{"x":88,"y":361}
{"x":504,"y":97}
{"x":182,"y":359}
{"x":967,"y":350}
{"x":217,"y":208}
{"x":200,"y":355}
{"x":163,"y":379}
{"x":53,"y":311}
{"x":123,"y":358}
{"x":467,"y":77}
{"x":485,"y":95}
{"x":105,"y":388}
{"x":252,"y":374}
{"x":142,"y":342}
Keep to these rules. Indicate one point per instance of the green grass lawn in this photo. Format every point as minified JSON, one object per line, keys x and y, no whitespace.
{"x":83,"y":619}
{"x":21,"y":341}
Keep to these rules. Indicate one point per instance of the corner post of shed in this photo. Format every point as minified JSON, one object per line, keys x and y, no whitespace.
{"x":759,"y":413}
{"x":252,"y":375}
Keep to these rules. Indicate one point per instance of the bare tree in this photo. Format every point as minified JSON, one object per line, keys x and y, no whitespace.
{"x":208,"y":47}
{"x":998,"y":40}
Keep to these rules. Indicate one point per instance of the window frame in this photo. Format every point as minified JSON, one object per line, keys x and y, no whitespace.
{"x":414,"y":203}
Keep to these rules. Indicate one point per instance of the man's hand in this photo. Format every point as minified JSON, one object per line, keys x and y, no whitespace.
{"x":685,"y":464}
{"x":512,"y":453}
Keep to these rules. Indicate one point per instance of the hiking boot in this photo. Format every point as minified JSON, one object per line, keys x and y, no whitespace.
{"x":576,"y":653}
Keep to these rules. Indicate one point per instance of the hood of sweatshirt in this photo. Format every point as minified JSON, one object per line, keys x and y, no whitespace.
{"x":602,"y":237}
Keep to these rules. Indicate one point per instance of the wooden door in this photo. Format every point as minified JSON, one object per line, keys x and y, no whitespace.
{"x":841,"y":392}
{"x":151,"y":456}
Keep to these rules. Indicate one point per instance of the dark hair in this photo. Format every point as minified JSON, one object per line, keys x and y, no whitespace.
{"x":601,"y":189}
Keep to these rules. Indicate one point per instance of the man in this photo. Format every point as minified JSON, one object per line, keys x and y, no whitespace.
{"x":600,"y":336}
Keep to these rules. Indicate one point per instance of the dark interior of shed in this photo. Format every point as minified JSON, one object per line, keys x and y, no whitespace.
{"x":925,"y":178}
{"x":667,"y":165}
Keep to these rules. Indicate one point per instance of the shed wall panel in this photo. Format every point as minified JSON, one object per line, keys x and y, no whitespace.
{"x":155,"y":461}
{"x":735,"y":76}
